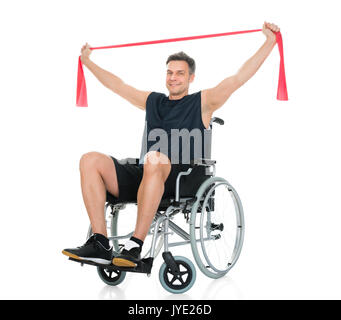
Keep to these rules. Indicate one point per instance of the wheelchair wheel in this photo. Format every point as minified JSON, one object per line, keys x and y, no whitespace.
{"x":216,"y":227}
{"x":111,"y":277}
{"x":184,"y":281}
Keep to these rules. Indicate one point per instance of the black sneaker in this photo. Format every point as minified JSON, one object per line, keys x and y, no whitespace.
{"x":92,"y":250}
{"x":128,"y":258}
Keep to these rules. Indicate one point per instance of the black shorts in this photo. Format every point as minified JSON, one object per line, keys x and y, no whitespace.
{"x":129,"y":177}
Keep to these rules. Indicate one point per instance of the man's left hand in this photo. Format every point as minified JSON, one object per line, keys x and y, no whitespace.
{"x":269,"y":29}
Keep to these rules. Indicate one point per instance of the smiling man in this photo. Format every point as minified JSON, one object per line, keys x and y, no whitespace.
{"x":162,"y":156}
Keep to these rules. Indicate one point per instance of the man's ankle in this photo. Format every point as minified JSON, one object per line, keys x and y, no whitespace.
{"x":133,"y":242}
{"x":102,"y":239}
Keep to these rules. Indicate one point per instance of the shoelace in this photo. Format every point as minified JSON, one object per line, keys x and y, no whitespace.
{"x":91,"y":239}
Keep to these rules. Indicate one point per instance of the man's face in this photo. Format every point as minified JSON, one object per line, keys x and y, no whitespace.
{"x":178,"y":77}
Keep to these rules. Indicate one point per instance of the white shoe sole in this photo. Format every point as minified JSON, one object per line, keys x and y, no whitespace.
{"x":96,"y":260}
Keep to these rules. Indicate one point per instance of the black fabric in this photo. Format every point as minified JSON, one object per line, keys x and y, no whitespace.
{"x":163,"y":113}
{"x":129,"y":177}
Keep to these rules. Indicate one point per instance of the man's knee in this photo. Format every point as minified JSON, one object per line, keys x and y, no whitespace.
{"x":156,"y":164}
{"x":90,"y":160}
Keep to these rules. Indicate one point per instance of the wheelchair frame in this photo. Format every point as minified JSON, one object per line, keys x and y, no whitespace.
{"x":162,"y":227}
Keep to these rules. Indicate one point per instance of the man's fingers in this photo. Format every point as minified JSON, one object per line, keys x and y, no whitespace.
{"x":84,"y":47}
{"x":272,"y":26}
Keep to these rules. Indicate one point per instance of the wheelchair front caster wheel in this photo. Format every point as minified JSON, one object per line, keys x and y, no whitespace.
{"x":110,"y":276}
{"x":181,"y":282}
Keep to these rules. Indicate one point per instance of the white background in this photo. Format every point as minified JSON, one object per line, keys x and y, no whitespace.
{"x":283,"y":158}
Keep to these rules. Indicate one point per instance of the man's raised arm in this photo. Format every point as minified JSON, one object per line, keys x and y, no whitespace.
{"x":136,"y":97}
{"x":214,"y":98}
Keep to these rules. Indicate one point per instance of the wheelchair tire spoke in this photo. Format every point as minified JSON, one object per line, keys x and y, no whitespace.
{"x":174,"y":279}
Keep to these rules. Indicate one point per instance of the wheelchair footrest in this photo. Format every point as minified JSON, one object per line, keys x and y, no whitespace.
{"x":143,"y":266}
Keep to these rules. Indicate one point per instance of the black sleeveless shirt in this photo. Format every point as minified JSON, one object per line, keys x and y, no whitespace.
{"x":175,"y":128}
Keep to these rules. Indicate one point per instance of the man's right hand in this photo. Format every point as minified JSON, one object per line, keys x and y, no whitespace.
{"x":85,"y":53}
{"x":136,"y":97}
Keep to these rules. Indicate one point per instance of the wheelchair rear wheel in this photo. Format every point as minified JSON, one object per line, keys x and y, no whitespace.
{"x":216,"y":227}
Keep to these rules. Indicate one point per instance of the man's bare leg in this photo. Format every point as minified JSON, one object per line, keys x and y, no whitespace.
{"x":98,"y":174}
{"x":155,"y":172}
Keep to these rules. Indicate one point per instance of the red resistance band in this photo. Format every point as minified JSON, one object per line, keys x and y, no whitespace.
{"x":282,"y":93}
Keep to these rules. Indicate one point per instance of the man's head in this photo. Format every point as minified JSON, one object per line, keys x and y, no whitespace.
{"x":180,"y":73}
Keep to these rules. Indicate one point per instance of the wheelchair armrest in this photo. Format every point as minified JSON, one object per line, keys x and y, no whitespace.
{"x":203,"y":162}
{"x":197,"y":162}
{"x":217,"y":120}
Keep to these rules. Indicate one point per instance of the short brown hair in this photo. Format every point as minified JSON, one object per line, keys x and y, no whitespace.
{"x":181,"y":56}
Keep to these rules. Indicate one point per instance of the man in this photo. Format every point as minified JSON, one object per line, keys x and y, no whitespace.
{"x":155,"y":175}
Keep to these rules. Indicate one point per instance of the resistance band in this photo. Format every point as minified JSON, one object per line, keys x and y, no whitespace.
{"x":281,"y":90}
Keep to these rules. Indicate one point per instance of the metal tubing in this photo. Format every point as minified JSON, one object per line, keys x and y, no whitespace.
{"x":177,"y":192}
{"x":179,"y":231}
{"x":156,"y":230}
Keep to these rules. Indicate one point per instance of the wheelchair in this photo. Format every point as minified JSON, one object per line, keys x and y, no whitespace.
{"x":213,"y":214}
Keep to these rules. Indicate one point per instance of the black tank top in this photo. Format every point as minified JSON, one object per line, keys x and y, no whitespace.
{"x":175,"y":128}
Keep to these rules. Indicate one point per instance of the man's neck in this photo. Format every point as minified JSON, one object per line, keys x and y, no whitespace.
{"x":178,"y":97}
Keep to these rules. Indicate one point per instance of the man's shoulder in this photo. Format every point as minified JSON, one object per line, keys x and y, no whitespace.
{"x":155,"y":99}
{"x":195,"y":95}
{"x":156,"y":95}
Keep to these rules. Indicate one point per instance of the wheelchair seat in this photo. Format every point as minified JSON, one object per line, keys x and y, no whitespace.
{"x":188,"y":188}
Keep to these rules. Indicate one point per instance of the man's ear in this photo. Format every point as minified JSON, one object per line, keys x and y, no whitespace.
{"x":191,"y":77}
